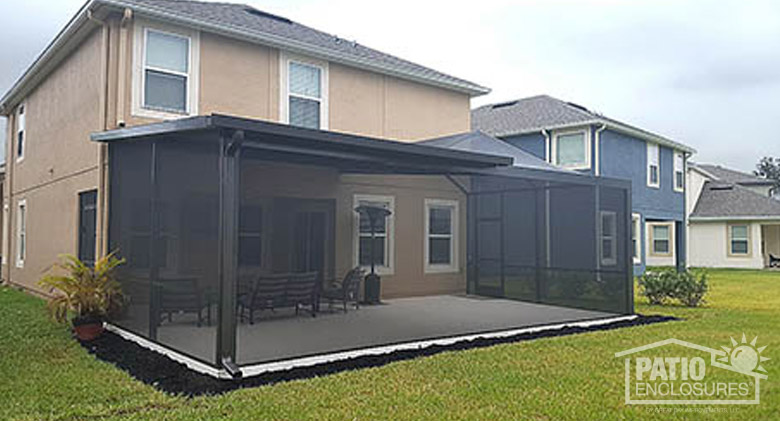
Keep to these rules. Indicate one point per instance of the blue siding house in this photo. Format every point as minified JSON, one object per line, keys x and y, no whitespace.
{"x":572,"y":137}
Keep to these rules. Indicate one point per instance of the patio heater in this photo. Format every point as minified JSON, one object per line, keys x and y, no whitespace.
{"x":372,"y":282}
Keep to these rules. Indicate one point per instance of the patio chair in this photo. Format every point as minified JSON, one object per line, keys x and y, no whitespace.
{"x":346,"y":291}
{"x":267,"y":293}
{"x":302,"y":291}
{"x":179,"y":295}
{"x":774,"y":261}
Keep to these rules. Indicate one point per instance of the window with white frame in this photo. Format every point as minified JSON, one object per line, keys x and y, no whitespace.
{"x":441,"y":218}
{"x":571,"y":150}
{"x":653,"y":174}
{"x":166,"y":68}
{"x":20,"y":134}
{"x":383,"y":234}
{"x":21,"y":233}
{"x":679,"y":171}
{"x":305,"y":89}
{"x":608,"y":243}
{"x":739,"y":240}
{"x":636,"y":235}
{"x":661,"y":239}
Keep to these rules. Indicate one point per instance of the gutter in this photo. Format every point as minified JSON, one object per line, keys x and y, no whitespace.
{"x":734,"y":218}
{"x":232,"y":31}
{"x":609,"y":125}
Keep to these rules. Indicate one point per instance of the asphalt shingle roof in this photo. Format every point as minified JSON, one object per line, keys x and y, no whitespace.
{"x":729,"y":176}
{"x":536,"y":113}
{"x":721,"y":200}
{"x":480,"y":142}
{"x":245,"y":18}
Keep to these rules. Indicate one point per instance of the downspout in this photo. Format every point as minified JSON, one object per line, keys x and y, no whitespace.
{"x":597,"y":145}
{"x":102,"y":221}
{"x":122,"y":68}
{"x":546,"y":135}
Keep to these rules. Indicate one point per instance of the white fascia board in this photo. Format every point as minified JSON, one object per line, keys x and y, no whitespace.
{"x":733,"y":218}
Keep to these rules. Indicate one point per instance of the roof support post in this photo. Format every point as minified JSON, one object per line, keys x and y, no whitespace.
{"x":229,"y":161}
{"x":154,"y":261}
{"x":628,"y":254}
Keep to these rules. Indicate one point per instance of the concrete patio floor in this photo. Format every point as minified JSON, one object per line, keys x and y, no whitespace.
{"x":282,"y":335}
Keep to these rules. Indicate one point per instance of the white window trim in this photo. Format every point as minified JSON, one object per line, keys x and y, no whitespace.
{"x":608,"y":261}
{"x":730,"y":239}
{"x":454,"y":222}
{"x":554,"y":148}
{"x":21,"y":254}
{"x":651,"y":240}
{"x":636,"y":221}
{"x":285,"y":59}
{"x":657,"y":147}
{"x":142,"y":28}
{"x":389,"y":267}
{"x":680,"y":170}
{"x":6,"y":217}
{"x":21,"y":126}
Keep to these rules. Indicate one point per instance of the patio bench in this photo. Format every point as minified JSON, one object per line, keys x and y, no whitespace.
{"x":269,"y":292}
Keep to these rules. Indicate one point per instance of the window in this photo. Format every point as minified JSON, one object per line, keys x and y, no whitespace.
{"x":739,"y":240}
{"x":661,"y":239}
{"x":21,"y":233}
{"x":571,"y":150}
{"x":250,"y":236}
{"x":636,"y":236}
{"x":165,"y":71}
{"x":679,"y":171}
{"x":608,"y":242}
{"x":441,"y":218}
{"x":383,"y":243}
{"x":653,"y":174}
{"x":305,"y":92}
{"x":20,"y":124}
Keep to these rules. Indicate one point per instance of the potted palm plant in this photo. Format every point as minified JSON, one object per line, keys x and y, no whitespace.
{"x":90,"y":293}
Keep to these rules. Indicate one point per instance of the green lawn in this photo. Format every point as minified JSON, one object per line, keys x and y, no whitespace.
{"x":46,"y":375}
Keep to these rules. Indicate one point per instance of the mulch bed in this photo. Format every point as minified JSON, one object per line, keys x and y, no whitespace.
{"x":170,"y":376}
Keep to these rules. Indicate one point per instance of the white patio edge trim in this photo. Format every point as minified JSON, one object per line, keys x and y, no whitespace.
{"x":263,"y":368}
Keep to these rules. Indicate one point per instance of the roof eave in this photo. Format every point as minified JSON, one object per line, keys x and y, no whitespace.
{"x":610,"y":124}
{"x":734,"y":218}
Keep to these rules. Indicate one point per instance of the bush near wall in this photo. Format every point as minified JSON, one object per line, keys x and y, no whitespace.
{"x":661,"y":286}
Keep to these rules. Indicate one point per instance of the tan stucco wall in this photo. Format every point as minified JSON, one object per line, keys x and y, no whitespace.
{"x":408,"y":277}
{"x":771,"y":238}
{"x":59,"y":160}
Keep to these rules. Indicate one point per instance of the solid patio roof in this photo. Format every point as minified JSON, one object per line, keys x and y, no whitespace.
{"x":288,"y":143}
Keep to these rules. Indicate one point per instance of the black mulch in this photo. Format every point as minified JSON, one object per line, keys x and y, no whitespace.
{"x":170,"y":376}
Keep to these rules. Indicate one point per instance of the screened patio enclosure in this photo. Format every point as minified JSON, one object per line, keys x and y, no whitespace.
{"x":234,"y":231}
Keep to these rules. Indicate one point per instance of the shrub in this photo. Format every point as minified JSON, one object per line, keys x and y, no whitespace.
{"x":691,"y":288}
{"x":687,"y":287}
{"x":657,"y":286}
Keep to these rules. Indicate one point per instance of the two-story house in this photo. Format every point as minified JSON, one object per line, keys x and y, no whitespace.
{"x":570,"y":136}
{"x":248,"y":165}
{"x":733,"y":219}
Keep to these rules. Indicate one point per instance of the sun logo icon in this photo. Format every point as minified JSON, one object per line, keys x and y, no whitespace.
{"x":744,"y":357}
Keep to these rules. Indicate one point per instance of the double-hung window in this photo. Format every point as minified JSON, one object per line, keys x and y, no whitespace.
{"x":679,"y":172}
{"x":166,"y":61}
{"x":571,"y":150}
{"x":166,"y":70}
{"x":608,"y":243}
{"x":739,"y":240}
{"x":441,"y":219}
{"x":653,"y":169}
{"x":305,"y":103}
{"x":383,"y":235}
{"x":661,"y":239}
{"x":20,"y":125}
{"x":636,"y":235}
{"x":21,"y":233}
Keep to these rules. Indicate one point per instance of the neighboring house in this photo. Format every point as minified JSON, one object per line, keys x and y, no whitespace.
{"x":733,"y":220}
{"x":572,"y":137}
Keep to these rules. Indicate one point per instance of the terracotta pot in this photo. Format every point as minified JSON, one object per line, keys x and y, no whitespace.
{"x":87,"y":329}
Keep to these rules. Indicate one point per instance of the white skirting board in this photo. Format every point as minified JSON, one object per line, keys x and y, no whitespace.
{"x":264,"y":368}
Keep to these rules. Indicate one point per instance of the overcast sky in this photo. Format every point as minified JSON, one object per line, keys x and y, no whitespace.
{"x":705,"y":73}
